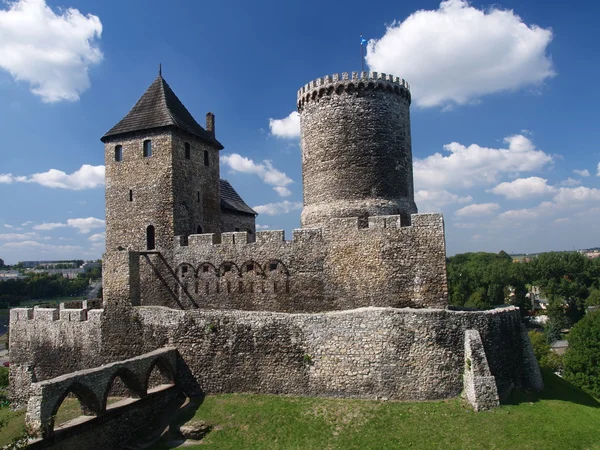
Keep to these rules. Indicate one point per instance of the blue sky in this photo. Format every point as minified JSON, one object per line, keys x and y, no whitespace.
{"x":504,"y":114}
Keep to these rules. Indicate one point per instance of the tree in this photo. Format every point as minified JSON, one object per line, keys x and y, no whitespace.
{"x":582,"y":359}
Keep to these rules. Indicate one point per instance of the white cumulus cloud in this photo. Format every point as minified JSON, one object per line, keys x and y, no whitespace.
{"x":265,"y":171}
{"x":86,"y":225}
{"x":86,"y":177}
{"x":275,"y":209}
{"x":287,"y":128}
{"x":49,"y":226}
{"x":478,"y":209}
{"x":458,"y":53}
{"x":51,"y":51}
{"x":468,"y":166}
{"x":582,"y":173}
{"x":98,"y":237}
{"x":83,"y":225}
{"x":433,"y":201}
{"x":524,"y":188}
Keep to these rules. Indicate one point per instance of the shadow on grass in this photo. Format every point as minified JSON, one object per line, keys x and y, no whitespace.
{"x":172,"y":438}
{"x":555,"y":388}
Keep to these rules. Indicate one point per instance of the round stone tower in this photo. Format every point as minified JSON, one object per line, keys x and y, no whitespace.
{"x":356,"y":148}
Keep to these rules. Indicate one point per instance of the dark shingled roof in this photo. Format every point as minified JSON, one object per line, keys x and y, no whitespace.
{"x":160,"y":107}
{"x":232,"y":201}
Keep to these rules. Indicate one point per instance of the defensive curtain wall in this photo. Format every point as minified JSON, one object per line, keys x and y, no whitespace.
{"x":366,"y":352}
{"x":336,"y":267}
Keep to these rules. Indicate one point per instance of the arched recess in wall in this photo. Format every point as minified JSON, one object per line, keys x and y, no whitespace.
{"x":150,"y":238}
{"x":123,"y":383}
{"x":253,"y":277}
{"x":66,"y":408}
{"x":159,"y":375}
{"x":278,"y":276}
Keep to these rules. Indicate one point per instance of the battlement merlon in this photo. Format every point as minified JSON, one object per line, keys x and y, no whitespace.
{"x":306,"y":235}
{"x":55,"y":314}
{"x":337,"y":79}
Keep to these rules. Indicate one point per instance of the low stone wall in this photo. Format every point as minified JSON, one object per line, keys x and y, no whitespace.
{"x":406,"y":354}
{"x":115,"y":428}
{"x":91,"y":386}
{"x":45,"y":343}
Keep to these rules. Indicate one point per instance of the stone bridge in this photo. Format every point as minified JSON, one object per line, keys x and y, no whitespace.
{"x":92,"y":386}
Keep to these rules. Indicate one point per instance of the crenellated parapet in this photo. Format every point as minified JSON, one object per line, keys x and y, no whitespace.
{"x":347,"y":263}
{"x":345,"y":82}
{"x":55,"y":314}
{"x":304,"y":236}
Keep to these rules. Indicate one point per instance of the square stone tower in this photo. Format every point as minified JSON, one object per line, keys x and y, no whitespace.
{"x":162,"y":174}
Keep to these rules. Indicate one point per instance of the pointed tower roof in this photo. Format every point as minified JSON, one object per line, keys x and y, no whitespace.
{"x":159,"y":107}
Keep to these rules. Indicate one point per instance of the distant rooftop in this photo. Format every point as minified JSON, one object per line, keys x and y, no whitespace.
{"x":159,"y":107}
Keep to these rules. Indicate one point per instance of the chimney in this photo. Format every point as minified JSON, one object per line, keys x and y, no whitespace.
{"x":210,"y":123}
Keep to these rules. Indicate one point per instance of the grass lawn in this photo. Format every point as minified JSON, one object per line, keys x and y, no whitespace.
{"x":562,"y":417}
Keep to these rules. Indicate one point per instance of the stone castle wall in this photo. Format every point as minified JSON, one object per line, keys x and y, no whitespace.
{"x":337,"y":267}
{"x":365,"y":353}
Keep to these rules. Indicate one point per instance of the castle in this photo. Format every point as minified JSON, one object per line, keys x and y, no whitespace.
{"x":354,"y":305}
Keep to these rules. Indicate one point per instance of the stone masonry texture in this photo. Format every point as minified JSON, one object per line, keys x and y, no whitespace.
{"x":353,"y":305}
{"x":356,"y":148}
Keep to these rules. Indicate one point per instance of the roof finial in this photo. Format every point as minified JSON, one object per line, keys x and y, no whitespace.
{"x":159,"y":69}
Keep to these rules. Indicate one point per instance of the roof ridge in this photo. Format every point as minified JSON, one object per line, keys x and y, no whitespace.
{"x":160,"y":107}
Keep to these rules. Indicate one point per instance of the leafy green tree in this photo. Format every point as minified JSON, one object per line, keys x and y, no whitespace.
{"x":593,"y":297}
{"x":582,"y":359}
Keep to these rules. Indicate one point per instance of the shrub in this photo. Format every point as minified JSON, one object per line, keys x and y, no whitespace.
{"x":3,"y":377}
{"x":581,"y":359}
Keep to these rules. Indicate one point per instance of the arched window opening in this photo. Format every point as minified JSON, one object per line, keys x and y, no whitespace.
{"x":199,"y":229}
{"x":130,"y":195}
{"x":273,"y":266}
{"x":78,"y":401}
{"x":119,"y":153}
{"x":187,"y":150}
{"x":206,"y":158}
{"x":124,"y":385}
{"x":160,"y":376}
{"x":150,"y":238}
{"x":147,"y":148}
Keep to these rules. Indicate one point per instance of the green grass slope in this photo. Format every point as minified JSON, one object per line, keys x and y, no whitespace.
{"x":562,"y":417}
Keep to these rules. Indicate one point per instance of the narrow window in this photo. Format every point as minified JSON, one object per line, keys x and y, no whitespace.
{"x":187,"y":150}
{"x":227,"y":268}
{"x":184,"y":270}
{"x":237,"y":229}
{"x":249,"y":267}
{"x":119,"y":153}
{"x":150,"y":237}
{"x":199,"y":230}
{"x":204,"y":269}
{"x":147,"y":148}
{"x":130,"y":195}
{"x":206,"y":158}
{"x":273,"y":266}
{"x":198,"y":196}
